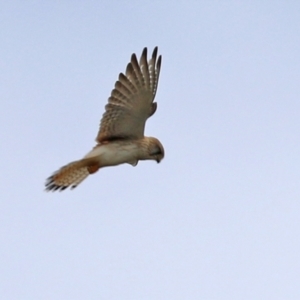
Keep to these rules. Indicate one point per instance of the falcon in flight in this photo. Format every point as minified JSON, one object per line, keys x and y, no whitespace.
{"x":121,"y":135}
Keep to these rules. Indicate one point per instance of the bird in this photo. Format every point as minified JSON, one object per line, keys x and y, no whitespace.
{"x":120,"y":138}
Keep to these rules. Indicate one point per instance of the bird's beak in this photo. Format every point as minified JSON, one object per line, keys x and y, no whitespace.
{"x":158,"y":160}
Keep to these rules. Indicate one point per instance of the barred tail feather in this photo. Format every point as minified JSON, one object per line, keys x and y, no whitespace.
{"x":71,"y":175}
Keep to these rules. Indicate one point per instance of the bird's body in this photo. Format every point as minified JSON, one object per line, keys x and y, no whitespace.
{"x":121,"y":136}
{"x":121,"y":151}
{"x":116,"y":153}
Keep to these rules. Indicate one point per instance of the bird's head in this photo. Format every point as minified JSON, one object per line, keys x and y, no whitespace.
{"x":155,"y":149}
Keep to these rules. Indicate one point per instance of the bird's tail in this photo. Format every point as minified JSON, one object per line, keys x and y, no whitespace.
{"x":72,"y":174}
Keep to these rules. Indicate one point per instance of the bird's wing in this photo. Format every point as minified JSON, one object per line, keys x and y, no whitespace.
{"x":131,"y":101}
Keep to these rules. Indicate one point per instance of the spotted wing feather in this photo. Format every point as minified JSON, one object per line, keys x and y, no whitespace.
{"x":131,"y":101}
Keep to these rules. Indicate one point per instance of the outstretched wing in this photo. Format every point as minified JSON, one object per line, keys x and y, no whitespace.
{"x":131,"y":101}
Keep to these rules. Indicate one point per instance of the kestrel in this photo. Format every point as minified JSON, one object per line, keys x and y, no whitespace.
{"x":121,"y":135}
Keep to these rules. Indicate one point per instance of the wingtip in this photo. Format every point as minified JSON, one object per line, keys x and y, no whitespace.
{"x":159,"y":62}
{"x":154,"y":53}
{"x":144,"y":53}
{"x":133,"y":58}
{"x":129,"y":68}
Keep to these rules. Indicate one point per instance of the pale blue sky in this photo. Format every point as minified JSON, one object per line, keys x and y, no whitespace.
{"x":218,"y":218}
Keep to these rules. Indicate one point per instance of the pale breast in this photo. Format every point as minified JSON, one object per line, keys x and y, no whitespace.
{"x":115,"y":153}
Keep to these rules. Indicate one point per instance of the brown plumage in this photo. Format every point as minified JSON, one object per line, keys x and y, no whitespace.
{"x":121,"y":135}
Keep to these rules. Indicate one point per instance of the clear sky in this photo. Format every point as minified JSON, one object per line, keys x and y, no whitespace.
{"x":218,"y":218}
